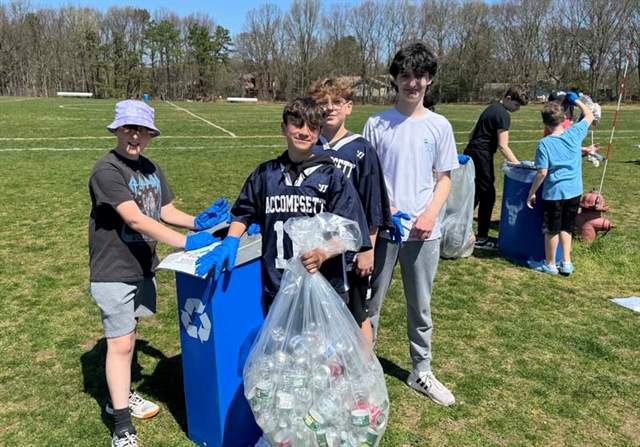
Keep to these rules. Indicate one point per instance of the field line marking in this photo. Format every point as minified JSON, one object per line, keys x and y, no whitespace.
{"x":540,"y":131}
{"x":164,"y":137}
{"x":100,"y":107}
{"x":89,"y":149}
{"x":202,"y":119}
{"x":248,"y":137}
{"x":16,"y":100}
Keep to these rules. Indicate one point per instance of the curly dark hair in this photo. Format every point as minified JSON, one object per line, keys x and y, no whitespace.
{"x":415,"y":57}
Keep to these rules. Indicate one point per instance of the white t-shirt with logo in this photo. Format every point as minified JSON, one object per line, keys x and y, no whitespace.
{"x":411,"y":150}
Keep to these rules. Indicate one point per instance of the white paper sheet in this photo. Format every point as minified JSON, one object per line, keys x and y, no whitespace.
{"x":185,"y":261}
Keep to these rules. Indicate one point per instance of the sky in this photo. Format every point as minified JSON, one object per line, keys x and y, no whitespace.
{"x":228,"y":13}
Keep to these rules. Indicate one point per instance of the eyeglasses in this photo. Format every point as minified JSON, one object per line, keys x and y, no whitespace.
{"x":141,"y":130}
{"x":332,"y":105}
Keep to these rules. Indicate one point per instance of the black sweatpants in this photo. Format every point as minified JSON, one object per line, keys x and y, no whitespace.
{"x":485,"y":195}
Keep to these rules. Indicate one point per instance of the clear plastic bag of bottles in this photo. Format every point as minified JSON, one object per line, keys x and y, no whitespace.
{"x":456,"y":216}
{"x":593,"y":106}
{"x":311,"y":378}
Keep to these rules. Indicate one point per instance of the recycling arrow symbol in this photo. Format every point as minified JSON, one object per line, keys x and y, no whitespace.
{"x":195,"y":320}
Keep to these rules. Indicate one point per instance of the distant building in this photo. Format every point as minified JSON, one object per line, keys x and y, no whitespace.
{"x":367,"y":89}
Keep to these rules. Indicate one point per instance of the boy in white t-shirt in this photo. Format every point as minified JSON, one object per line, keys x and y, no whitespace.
{"x":414,"y":146}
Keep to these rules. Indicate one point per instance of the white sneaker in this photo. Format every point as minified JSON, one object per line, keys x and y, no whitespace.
{"x":125,"y":441}
{"x":139,"y":407}
{"x":263,"y":441}
{"x":427,"y":384}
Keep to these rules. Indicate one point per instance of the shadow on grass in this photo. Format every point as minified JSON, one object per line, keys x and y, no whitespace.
{"x":163,"y":385}
{"x":394,"y":370}
{"x":94,"y":379}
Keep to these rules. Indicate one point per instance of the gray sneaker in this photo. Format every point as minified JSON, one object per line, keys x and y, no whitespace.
{"x":139,"y":407}
{"x":124,"y":441}
{"x":427,"y":384}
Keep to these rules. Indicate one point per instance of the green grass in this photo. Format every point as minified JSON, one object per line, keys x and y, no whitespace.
{"x":532,"y":359}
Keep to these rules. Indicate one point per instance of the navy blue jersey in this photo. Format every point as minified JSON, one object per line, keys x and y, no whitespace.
{"x":355,"y":156}
{"x":269,"y":198}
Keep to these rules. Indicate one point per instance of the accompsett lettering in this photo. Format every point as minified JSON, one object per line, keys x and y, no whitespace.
{"x":294,"y":204}
{"x":344,"y":165}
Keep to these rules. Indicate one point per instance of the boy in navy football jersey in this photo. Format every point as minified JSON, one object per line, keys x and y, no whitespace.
{"x":358,"y":160}
{"x":299,"y":183}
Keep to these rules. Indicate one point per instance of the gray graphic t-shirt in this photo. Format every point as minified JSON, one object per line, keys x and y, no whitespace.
{"x":118,"y":253}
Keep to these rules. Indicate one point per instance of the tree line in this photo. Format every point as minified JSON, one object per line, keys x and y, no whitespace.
{"x":126,"y":51}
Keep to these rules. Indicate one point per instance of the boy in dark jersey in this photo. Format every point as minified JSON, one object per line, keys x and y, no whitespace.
{"x":299,"y":183}
{"x":355,"y":156}
{"x":490,"y":134}
{"x":129,"y":197}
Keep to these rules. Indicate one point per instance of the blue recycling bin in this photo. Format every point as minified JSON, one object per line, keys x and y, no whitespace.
{"x":218,"y":323}
{"x":145,"y":97}
{"x":520,"y":237}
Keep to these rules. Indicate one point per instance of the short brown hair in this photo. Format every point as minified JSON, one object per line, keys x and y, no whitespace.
{"x":303,"y":111}
{"x":552,"y":114}
{"x":518,"y":94}
{"x":331,"y":87}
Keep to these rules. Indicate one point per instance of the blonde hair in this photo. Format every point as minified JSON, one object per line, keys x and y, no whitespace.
{"x":331,"y":87}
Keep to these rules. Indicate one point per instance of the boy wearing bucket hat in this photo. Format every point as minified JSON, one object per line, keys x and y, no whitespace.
{"x":129,"y":197}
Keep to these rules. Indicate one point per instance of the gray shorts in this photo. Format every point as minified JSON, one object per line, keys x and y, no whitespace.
{"x":121,"y":303}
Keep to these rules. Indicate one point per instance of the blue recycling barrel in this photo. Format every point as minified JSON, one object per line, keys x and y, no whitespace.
{"x":219,"y":321}
{"x":521,"y":237}
{"x":145,"y":97}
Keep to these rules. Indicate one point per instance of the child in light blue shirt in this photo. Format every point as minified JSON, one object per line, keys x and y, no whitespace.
{"x":559,"y":163}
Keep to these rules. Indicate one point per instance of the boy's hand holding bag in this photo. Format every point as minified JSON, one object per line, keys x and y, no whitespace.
{"x":311,"y":377}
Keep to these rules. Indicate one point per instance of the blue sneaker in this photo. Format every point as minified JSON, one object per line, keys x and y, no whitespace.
{"x":541,"y":266}
{"x":566,"y":268}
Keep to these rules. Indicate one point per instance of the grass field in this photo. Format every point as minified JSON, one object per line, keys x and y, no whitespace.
{"x":532,"y":359}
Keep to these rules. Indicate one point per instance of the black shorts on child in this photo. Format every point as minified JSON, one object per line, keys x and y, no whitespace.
{"x":560,"y":215}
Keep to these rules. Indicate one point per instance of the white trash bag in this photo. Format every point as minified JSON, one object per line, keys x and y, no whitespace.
{"x":311,"y":378}
{"x":456,"y":216}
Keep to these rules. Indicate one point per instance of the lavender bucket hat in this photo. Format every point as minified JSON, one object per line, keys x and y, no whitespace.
{"x":134,"y":112}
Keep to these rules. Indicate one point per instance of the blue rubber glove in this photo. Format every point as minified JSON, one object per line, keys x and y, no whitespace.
{"x":216,"y":213}
{"x":572,"y":97}
{"x":199,"y":240}
{"x":463,"y":159}
{"x":398,"y":231}
{"x":227,"y":251}
{"x":254,"y":228}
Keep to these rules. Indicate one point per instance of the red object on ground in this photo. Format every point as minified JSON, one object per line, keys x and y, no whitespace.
{"x":590,"y":220}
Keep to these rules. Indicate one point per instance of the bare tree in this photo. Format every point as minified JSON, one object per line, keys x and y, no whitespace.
{"x":634,"y":31}
{"x":400,"y":25}
{"x":125,"y":51}
{"x":365,"y":24}
{"x":596,"y":25}
{"x":340,"y":55}
{"x":436,"y":21}
{"x":471,"y":57}
{"x":302,"y":25}
{"x":258,"y":47}
{"x":518,"y":30}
